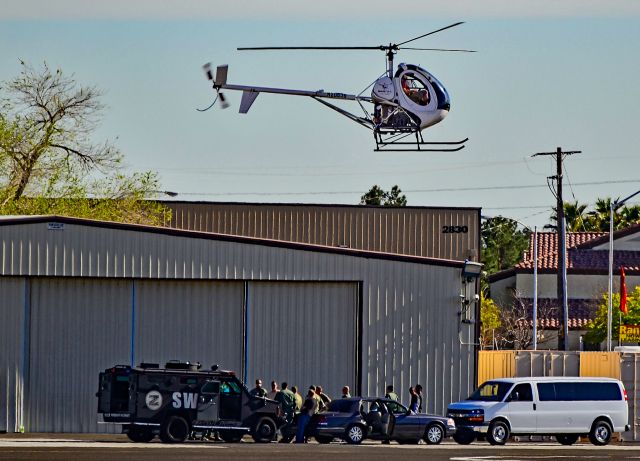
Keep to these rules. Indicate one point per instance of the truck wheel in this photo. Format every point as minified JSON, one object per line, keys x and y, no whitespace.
{"x":464,"y":436}
{"x":140,"y":434}
{"x":600,"y":433}
{"x":354,"y":434}
{"x":174,"y":430}
{"x":498,"y":433}
{"x":231,"y":436}
{"x":434,"y":434}
{"x":567,"y":439}
{"x":264,"y":430}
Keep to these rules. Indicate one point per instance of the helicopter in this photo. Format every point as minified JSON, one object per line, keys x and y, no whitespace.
{"x":406,"y":100}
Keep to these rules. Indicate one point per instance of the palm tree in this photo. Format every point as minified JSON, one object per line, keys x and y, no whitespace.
{"x":574,"y":215}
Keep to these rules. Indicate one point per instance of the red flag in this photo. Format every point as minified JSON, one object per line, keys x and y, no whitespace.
{"x":623,"y":292}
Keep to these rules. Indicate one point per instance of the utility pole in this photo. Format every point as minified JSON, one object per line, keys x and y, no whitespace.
{"x":563,"y":332}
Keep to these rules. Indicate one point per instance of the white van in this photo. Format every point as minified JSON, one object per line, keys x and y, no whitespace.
{"x":564,"y":407}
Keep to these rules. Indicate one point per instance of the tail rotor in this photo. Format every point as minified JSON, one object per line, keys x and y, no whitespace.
{"x":219,"y":81}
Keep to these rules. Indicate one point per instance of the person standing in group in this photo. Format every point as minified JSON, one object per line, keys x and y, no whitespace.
{"x":413,"y":406}
{"x":299,"y":399}
{"x":391,"y":395}
{"x":326,"y":400}
{"x":287,"y":401}
{"x":418,"y":389}
{"x":274,"y":390}
{"x":309,"y":408}
{"x":346,"y":392}
{"x":319,"y":402}
{"x":258,"y":391}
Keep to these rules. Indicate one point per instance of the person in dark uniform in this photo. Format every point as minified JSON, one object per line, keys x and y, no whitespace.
{"x":413,"y":406}
{"x":258,"y":391}
{"x":418,"y":389}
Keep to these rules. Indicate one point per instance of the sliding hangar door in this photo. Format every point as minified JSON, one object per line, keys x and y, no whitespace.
{"x":303,"y":333}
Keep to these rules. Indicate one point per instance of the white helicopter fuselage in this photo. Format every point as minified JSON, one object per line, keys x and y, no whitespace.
{"x":416,"y":91}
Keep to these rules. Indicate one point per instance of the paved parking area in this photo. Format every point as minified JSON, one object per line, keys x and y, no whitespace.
{"x":96,"y":447}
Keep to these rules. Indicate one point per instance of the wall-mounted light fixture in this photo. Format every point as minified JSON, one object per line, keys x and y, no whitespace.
{"x":471,"y":270}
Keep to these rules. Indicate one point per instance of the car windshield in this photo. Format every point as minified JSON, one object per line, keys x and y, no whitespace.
{"x":491,"y":391}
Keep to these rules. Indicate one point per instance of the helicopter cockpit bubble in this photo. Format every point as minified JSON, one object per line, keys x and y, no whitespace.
{"x":415,"y":89}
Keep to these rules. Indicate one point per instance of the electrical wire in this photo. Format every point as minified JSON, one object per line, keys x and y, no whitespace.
{"x":447,"y":189}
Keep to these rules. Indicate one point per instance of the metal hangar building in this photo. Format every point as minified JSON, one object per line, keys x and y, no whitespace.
{"x":79,"y":296}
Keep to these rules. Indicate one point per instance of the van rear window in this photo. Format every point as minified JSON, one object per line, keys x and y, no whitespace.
{"x":578,"y":391}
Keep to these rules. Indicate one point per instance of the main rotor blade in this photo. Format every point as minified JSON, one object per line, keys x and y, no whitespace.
{"x":436,"y":49}
{"x":431,"y":33}
{"x":262,"y":48}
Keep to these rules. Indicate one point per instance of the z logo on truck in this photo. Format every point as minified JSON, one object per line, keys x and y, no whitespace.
{"x":153,"y":400}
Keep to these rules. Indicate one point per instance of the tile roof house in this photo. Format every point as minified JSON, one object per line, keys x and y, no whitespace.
{"x":587,"y":278}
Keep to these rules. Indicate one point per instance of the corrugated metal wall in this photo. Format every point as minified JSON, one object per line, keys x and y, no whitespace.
{"x":410,"y":327}
{"x":411,"y":335}
{"x":302,"y":333}
{"x":12,"y":327}
{"x":630,"y":376}
{"x":79,"y":327}
{"x":496,"y":364}
{"x":403,"y":230}
{"x":600,"y":364}
{"x":187,"y":320}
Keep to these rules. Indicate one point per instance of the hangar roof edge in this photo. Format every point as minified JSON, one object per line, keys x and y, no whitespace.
{"x":321,"y":205}
{"x":13,"y":220}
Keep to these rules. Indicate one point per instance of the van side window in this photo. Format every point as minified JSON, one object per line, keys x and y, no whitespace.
{"x":578,"y":391}
{"x":546,"y":392}
{"x":522,"y":393}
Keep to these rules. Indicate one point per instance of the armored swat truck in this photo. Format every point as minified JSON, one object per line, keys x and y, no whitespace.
{"x":181,"y":400}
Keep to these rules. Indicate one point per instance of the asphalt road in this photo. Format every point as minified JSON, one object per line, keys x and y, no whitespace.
{"x":91,"y":447}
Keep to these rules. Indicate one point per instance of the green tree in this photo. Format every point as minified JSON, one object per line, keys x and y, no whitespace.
{"x":49,"y":162}
{"x":503,"y":244}
{"x":377,"y":196}
{"x":597,"y":328}
{"x":490,"y":322}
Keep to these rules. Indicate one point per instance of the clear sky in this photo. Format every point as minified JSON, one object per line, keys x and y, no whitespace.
{"x":548,"y":73}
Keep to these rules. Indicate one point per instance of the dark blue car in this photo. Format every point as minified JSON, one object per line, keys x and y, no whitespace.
{"x":358,"y":418}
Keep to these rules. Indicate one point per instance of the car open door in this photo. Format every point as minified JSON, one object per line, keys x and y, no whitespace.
{"x":208,"y":403}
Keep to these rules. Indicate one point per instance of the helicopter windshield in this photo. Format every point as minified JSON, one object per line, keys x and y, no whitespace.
{"x":415,"y":89}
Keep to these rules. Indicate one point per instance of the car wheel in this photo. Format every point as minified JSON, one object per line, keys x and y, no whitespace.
{"x":139,"y":434}
{"x":231,"y":436}
{"x":464,"y":436}
{"x":600,"y":433}
{"x":323,"y":438}
{"x":174,"y":430}
{"x":567,"y":439}
{"x":498,"y":433}
{"x":354,"y":434}
{"x":434,"y":434}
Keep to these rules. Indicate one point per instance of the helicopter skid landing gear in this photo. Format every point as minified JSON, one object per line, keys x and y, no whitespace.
{"x":396,"y":141}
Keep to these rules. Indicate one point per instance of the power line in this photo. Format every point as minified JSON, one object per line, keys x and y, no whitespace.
{"x":447,"y":189}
